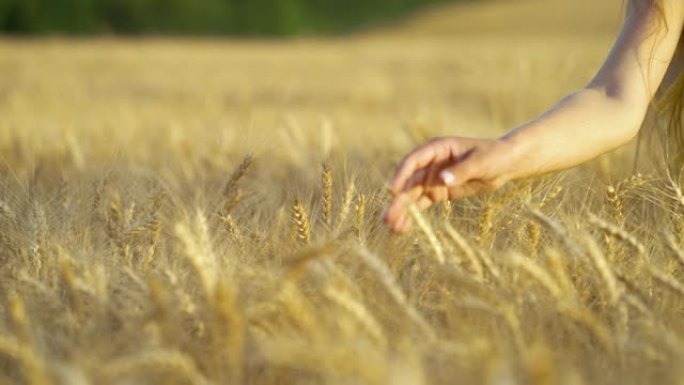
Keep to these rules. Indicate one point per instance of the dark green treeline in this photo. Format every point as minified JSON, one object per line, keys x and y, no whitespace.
{"x":198,"y":17}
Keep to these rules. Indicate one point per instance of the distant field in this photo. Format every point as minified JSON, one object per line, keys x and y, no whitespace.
{"x":586,"y":18}
{"x":207,"y":212}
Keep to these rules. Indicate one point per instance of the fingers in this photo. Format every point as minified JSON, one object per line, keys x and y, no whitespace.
{"x":418,"y":178}
{"x":397,"y":206}
{"x":429,"y":175}
{"x":397,"y":215}
{"x":404,"y":226}
{"x":416,"y":160}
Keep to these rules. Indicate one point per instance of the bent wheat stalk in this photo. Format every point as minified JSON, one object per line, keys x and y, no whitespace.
{"x":425,"y":227}
{"x":387,"y":279}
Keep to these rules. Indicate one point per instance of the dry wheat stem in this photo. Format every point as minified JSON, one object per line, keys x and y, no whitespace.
{"x":425,"y":227}
{"x":468,"y":252}
{"x":560,"y":232}
{"x":591,"y":323}
{"x":388,"y":281}
{"x":602,"y":266}
{"x":169,"y":362}
{"x":359,"y":312}
{"x":671,"y":244}
{"x":198,"y":251}
{"x":618,"y":233}
{"x":539,"y":274}
{"x":667,"y":280}
{"x":359,"y":224}
{"x":327,"y":179}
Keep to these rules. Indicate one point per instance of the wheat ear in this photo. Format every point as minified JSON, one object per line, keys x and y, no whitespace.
{"x":346,"y":204}
{"x":618,"y":233}
{"x":327,"y":179}
{"x":300,"y":220}
{"x":231,"y":191}
{"x":560,"y":232}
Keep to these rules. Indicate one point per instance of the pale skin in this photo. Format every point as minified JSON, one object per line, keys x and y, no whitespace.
{"x":603,"y":115}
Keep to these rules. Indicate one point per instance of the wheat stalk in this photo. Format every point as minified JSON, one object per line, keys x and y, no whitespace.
{"x":539,"y":274}
{"x":32,"y":366}
{"x":229,"y":329}
{"x":550,"y":196}
{"x":485,"y":224}
{"x":346,"y":204}
{"x":618,"y":233}
{"x":360,"y":216}
{"x":666,"y":280}
{"x":358,"y":311}
{"x":170,"y":362}
{"x":7,"y":212}
{"x":591,"y":323}
{"x":297,"y":308}
{"x":232,"y":228}
{"x":473,"y":262}
{"x":327,"y":180}
{"x":231,"y":191}
{"x":534,"y":234}
{"x":429,"y":233}
{"x":671,"y":244}
{"x":154,"y":230}
{"x":389,"y":283}
{"x":198,"y":251}
{"x":446,"y":210}
{"x":557,"y":229}
{"x":613,"y":196}
{"x":558,"y":268}
{"x":300,"y":220}
{"x":603,"y":268}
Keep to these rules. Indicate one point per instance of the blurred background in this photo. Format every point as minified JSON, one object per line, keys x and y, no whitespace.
{"x":210,"y":79}
{"x":213,"y":17}
{"x":274,"y":17}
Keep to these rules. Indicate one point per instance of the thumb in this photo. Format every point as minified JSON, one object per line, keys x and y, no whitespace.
{"x":457,"y":174}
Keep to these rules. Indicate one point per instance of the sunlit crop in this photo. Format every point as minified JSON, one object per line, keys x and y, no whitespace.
{"x":208,"y":212}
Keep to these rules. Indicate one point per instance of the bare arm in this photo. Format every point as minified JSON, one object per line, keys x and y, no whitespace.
{"x":608,"y":112}
{"x":598,"y":118}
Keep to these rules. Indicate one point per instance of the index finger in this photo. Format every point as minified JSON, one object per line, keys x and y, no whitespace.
{"x":419,"y":158}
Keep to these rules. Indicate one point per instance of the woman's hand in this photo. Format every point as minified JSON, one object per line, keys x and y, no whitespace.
{"x":446,"y":169}
{"x":598,"y":118}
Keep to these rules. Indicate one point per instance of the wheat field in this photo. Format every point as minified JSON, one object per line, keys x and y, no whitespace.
{"x":208,"y":212}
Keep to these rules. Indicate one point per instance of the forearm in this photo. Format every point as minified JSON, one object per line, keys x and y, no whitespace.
{"x":580,"y":127}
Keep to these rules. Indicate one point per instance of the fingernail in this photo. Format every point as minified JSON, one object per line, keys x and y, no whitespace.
{"x":447,"y":177}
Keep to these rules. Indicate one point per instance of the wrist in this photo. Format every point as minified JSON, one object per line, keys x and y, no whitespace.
{"x":516,"y":157}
